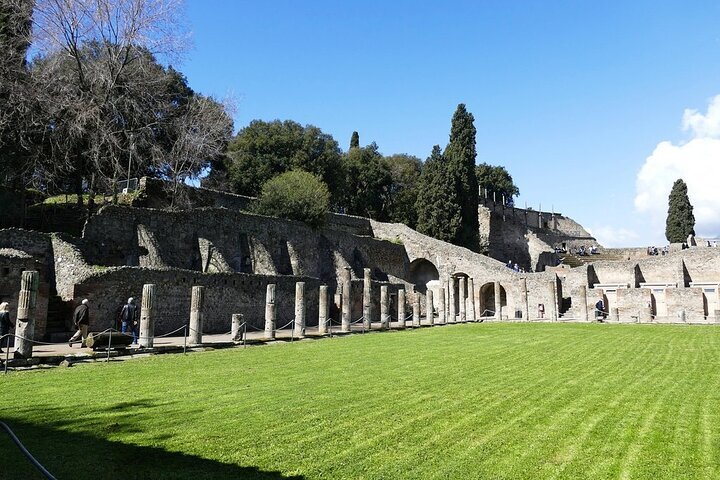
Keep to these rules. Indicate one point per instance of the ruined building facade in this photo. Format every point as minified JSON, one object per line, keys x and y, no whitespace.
{"x":237,"y":254}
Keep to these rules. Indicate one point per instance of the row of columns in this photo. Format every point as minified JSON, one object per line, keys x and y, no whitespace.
{"x":467,"y":310}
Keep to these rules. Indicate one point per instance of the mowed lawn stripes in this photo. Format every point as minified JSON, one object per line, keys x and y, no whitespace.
{"x":463,"y":401}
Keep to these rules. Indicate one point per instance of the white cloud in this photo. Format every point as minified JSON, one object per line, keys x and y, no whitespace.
{"x":697,"y":162}
{"x":704,"y":126}
{"x":608,"y":236}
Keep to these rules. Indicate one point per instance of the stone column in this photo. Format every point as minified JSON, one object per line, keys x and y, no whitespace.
{"x":442,"y":318}
{"x":476,"y":299}
{"x":384,"y":308}
{"x":498,"y":300}
{"x":236,"y":327}
{"x":270,"y":312}
{"x":416,"y":310}
{"x":323,"y":310}
{"x":401,"y":308}
{"x":471,"y":300}
{"x":582,"y":298}
{"x":197,"y":303}
{"x":451,"y":300}
{"x":614,"y":315}
{"x":299,"y":327}
{"x":524,"y":308}
{"x":147,"y":320}
{"x":462,"y":299}
{"x":645,"y":315}
{"x":429,"y":307}
{"x":346,"y":305}
{"x":552,"y":287}
{"x":25,"y":321}
{"x":367,"y":299}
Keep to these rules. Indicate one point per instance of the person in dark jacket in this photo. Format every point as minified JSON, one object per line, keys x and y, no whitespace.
{"x":5,"y":322}
{"x":81,"y":320}
{"x":129,"y":319}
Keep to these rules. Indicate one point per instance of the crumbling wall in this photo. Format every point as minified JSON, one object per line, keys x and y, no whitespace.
{"x":12,"y":264}
{"x":276,"y":246}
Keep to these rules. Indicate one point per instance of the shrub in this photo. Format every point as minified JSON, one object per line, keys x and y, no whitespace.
{"x":295,"y":195}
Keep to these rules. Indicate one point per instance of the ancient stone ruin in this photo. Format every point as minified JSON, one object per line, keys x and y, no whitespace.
{"x":208,"y":265}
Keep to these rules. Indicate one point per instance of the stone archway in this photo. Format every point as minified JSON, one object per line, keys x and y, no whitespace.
{"x":487,"y":299}
{"x":422,"y":272}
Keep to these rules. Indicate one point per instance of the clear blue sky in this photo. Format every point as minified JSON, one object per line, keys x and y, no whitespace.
{"x":571,"y":97}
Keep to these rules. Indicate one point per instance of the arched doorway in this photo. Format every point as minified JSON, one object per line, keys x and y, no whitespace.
{"x":487,"y":299}
{"x":422,"y":272}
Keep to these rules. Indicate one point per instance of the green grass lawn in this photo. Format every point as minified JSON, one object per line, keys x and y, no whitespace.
{"x":465,"y":401}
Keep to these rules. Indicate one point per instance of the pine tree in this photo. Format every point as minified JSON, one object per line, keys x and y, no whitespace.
{"x":437,"y":204}
{"x":460,"y":154}
{"x":680,"y":220}
{"x":355,"y":140}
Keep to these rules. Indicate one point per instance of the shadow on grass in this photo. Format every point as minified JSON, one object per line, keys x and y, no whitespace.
{"x":76,"y":456}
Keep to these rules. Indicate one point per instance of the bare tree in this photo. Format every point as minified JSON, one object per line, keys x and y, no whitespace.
{"x":111,"y":100}
{"x":201,"y":135}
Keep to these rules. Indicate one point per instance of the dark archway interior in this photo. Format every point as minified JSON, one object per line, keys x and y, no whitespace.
{"x":421,"y":272}
{"x":487,"y":299}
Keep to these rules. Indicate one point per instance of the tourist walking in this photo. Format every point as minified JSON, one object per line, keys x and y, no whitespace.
{"x":129,"y":319}
{"x":5,"y":322}
{"x":81,"y":320}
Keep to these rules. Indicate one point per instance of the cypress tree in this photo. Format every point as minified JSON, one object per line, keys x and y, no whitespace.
{"x":460,"y":154}
{"x":437,"y":204}
{"x":680,"y":219}
{"x":355,"y":140}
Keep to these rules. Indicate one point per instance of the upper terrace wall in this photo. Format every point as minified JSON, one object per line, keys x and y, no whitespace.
{"x":528,"y":237}
{"x":237,"y":241}
{"x":153,"y":194}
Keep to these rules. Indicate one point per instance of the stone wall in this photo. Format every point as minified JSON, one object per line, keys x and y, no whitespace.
{"x":225,"y":294}
{"x":528,"y":237}
{"x":240,"y":242}
{"x":153,"y":193}
{"x":12,"y":264}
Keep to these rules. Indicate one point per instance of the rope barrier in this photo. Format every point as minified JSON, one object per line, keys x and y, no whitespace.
{"x":25,"y":452}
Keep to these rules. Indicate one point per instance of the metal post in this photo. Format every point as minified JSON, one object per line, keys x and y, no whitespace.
{"x":244,"y":334}
{"x":7,"y":351}
{"x":185,"y":331}
{"x":109,"y":347}
{"x":292,"y":330}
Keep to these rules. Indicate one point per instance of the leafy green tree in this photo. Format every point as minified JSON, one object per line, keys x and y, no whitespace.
{"x":263,"y":150}
{"x":295,"y":195}
{"x":460,"y":154}
{"x":496,"y":180}
{"x":367,"y":183}
{"x":680,"y":219}
{"x":402,"y":195}
{"x":438,"y":203}
{"x":355,"y":140}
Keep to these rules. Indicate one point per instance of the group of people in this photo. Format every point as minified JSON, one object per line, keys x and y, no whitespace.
{"x":515,"y":267}
{"x":128,"y":320}
{"x":582,"y":251}
{"x":652,"y":250}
